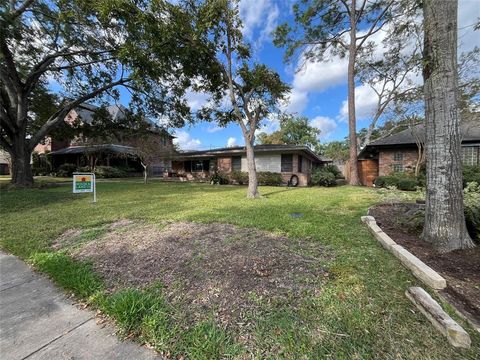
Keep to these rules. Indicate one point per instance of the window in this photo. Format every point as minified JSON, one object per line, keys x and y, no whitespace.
{"x":236,"y":163}
{"x":286,"y":163}
{"x":300,"y":163}
{"x":470,"y":155}
{"x":200,"y":165}
{"x":187,"y":166}
{"x":397,"y":167}
{"x":398,"y":157}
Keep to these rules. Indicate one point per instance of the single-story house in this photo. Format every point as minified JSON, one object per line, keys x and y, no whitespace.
{"x":288,"y":160}
{"x":399,"y":152}
{"x":4,"y":162}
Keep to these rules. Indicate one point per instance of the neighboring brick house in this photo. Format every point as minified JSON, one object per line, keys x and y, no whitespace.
{"x":399,"y":152}
{"x":288,"y":160}
{"x":114,"y":152}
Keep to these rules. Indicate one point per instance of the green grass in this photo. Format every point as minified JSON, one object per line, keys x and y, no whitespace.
{"x":360,"y":312}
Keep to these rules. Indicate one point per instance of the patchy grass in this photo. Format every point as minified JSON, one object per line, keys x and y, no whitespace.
{"x":360,"y":312}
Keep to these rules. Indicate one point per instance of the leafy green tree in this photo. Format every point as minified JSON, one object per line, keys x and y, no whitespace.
{"x":335,"y":150}
{"x":294,"y":130}
{"x":250,"y":91}
{"x":345,"y":28}
{"x":89,"y":49}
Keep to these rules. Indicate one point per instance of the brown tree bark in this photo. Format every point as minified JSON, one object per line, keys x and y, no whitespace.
{"x":352,"y":121}
{"x":444,"y":216}
{"x":20,"y":159}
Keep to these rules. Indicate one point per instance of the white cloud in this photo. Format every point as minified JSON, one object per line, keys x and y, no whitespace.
{"x":196,"y":100}
{"x":319,"y":76}
{"x":365,"y":103}
{"x":326,"y":125}
{"x":231,"y":142}
{"x":258,"y":14}
{"x":186,"y":142}
{"x":214,"y":128}
{"x":269,"y":125}
{"x":296,"y":102}
{"x":468,"y":15}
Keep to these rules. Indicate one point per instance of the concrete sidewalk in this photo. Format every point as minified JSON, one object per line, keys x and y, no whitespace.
{"x":38,"y":322}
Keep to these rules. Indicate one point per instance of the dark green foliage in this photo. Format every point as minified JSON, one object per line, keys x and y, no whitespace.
{"x":269,"y":178}
{"x":472,"y":210}
{"x":334,"y":170}
{"x":239,"y":177}
{"x":321,"y":177}
{"x":219,"y":178}
{"x":470,"y":174}
{"x":334,"y":150}
{"x":401,"y":181}
{"x":407,"y":184}
{"x":66,"y":170}
{"x":110,"y":172}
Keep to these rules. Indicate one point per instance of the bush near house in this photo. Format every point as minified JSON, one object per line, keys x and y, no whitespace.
{"x":269,"y":178}
{"x":334,"y":170}
{"x":66,"y":170}
{"x":219,"y":178}
{"x":471,"y":195}
{"x":402,"y":181}
{"x":471,"y":174}
{"x":321,"y":177}
{"x":239,"y":177}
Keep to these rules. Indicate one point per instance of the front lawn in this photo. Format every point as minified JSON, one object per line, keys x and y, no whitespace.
{"x":356,"y":310}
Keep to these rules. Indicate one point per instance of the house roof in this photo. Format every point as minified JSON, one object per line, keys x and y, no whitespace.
{"x":238,"y":150}
{"x":470,"y":132}
{"x":106,"y":148}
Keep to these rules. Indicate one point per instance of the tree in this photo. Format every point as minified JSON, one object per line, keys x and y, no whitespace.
{"x":342,"y":27}
{"x":444,"y":214}
{"x":253,"y":90}
{"x":294,"y":130}
{"x":89,"y":49}
{"x":335,"y":150}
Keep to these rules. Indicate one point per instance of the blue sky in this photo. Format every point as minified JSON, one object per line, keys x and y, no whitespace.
{"x":318,"y":91}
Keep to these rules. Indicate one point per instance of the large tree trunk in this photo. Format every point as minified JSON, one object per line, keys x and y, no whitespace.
{"x":444,"y":216}
{"x":21,"y":168}
{"x":252,"y":191}
{"x":352,"y":121}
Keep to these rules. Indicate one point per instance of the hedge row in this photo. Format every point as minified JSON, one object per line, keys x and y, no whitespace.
{"x":66,"y":170}
{"x":241,"y":178}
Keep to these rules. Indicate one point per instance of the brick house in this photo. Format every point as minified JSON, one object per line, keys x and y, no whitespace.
{"x":288,"y":160}
{"x":399,"y":152}
{"x":117,"y":151}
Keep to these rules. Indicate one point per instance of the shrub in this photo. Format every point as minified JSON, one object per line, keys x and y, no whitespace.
{"x":239,"y":177}
{"x":407,"y":184}
{"x":66,"y":170}
{"x":109,"y":172}
{"x":471,"y":174}
{"x":219,"y":178}
{"x":269,"y":178}
{"x":334,"y":170}
{"x":321,"y":177}
{"x":400,"y":181}
{"x":472,"y":209}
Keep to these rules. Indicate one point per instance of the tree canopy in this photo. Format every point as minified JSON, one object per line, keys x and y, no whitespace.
{"x":294,"y":130}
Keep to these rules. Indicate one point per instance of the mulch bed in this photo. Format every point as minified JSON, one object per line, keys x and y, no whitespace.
{"x":217,"y":269}
{"x":460,"y":268}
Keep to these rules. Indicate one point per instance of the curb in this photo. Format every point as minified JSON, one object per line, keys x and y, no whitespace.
{"x":419,"y":269}
{"x":454,"y":333}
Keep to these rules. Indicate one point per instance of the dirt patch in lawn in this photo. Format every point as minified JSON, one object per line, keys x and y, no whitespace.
{"x":460,"y":268}
{"x":217,"y":269}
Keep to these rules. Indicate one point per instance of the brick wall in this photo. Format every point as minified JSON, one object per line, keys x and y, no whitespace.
{"x":387,"y":161}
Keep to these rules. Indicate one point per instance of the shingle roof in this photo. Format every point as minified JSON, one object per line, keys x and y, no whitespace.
{"x":470,"y":132}
{"x":257,"y":148}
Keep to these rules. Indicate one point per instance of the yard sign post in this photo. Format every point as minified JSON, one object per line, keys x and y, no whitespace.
{"x":85,"y":183}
